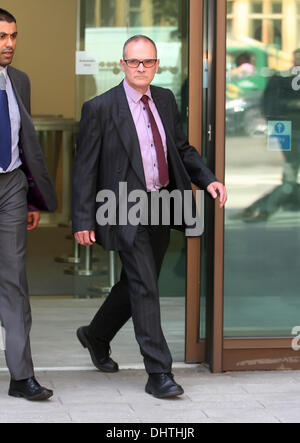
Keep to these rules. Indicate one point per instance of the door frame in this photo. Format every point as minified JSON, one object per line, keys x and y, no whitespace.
{"x":196,"y":349}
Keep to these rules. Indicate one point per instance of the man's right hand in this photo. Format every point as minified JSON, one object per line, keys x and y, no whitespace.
{"x":85,"y":238}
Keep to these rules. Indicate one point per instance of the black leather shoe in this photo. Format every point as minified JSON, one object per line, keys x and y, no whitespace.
{"x":29,"y":389}
{"x":100,"y":357}
{"x":163,"y":386}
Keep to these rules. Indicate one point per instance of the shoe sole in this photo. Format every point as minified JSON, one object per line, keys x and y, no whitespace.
{"x":40,"y":397}
{"x":81,"y":337}
{"x":166,"y":395}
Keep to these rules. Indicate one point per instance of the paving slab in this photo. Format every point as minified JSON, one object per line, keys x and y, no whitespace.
{"x":93,"y":397}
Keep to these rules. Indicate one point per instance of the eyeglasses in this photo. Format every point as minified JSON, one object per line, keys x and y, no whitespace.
{"x":133,"y":63}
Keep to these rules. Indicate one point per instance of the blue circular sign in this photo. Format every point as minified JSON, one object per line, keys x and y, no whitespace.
{"x":279,"y":128}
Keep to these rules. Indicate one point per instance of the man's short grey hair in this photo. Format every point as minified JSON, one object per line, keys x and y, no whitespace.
{"x":137,"y":38}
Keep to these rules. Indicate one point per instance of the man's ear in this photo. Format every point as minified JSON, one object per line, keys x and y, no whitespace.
{"x":122,"y":63}
{"x":157,"y":65}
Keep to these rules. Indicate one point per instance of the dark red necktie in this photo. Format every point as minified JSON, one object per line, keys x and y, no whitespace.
{"x":160,"y":152}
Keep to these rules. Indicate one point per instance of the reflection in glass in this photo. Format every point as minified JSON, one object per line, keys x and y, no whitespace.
{"x":262,"y":249}
{"x":105,"y":26}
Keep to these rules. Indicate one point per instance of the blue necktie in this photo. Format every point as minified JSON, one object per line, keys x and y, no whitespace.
{"x":5,"y":128}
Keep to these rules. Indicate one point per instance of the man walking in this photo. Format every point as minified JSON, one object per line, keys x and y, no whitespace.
{"x":132,"y":134}
{"x":25,"y":188}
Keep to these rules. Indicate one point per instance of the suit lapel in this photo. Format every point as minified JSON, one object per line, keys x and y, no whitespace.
{"x":126,"y":128}
{"x":161,"y":105}
{"x":14,"y":84}
{"x":22,"y":108}
{"x":163,"y":108}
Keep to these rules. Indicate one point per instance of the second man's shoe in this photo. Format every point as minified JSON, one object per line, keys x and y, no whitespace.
{"x":29,"y":389}
{"x":99,"y":351}
{"x":163,"y":386}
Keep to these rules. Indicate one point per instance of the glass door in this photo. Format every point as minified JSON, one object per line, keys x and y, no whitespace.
{"x":262,"y":230}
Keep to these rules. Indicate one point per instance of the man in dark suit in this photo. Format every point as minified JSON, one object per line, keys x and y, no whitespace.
{"x":25,"y":189}
{"x":132,"y":134}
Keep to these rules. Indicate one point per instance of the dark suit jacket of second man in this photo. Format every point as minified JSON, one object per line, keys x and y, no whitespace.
{"x":41,"y":193}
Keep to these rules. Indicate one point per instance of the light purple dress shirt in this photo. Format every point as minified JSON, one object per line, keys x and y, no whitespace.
{"x":145,"y":136}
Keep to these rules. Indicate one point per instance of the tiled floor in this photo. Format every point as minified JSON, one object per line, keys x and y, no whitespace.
{"x":55,"y":321}
{"x":82,"y":394}
{"x":90,"y":396}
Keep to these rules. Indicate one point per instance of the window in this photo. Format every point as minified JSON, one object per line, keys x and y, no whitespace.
{"x":135,"y":18}
{"x":229,"y":7}
{"x":257,"y":7}
{"x":108,"y":8}
{"x":276,"y":7}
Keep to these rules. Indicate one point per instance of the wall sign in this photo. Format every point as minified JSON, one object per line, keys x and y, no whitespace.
{"x":280,"y":135}
{"x":86,"y":63}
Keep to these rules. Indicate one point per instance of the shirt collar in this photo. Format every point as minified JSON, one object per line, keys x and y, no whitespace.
{"x":133,"y":94}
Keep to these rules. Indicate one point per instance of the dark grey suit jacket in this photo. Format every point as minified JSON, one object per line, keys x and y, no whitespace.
{"x":108,"y":152}
{"x":41,"y":194}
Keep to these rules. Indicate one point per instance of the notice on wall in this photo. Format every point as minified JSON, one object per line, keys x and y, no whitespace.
{"x":86,"y":63}
{"x":280,"y":136}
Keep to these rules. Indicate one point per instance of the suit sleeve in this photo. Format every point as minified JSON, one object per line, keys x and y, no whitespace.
{"x":86,"y":170}
{"x":199,"y":173}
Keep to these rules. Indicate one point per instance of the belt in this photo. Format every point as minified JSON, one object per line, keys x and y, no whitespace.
{"x":5,"y":174}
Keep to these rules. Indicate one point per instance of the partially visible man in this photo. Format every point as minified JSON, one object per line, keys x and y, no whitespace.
{"x":133,"y":134}
{"x":25,"y":189}
{"x":281,"y":103}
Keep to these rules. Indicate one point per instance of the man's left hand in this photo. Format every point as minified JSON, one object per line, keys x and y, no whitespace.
{"x":216,"y":190}
{"x":33,"y":220}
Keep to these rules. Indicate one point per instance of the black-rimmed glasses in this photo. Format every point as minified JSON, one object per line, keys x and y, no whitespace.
{"x":134,"y":63}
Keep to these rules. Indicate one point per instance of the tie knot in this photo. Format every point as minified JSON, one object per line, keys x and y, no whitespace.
{"x":2,"y":81}
{"x":145,"y":99}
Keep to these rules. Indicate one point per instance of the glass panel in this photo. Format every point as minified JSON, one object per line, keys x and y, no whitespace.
{"x":256,"y":29}
{"x":166,"y":22}
{"x":277,"y":7}
{"x":229,"y":7}
{"x":262,"y":241}
{"x":205,"y":143}
{"x":208,"y":92}
{"x":257,"y":7}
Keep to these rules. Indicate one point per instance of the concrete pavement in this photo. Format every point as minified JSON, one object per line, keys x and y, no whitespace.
{"x":87,"y":396}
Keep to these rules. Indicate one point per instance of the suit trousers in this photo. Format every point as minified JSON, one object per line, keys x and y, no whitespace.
{"x":15,"y":312}
{"x":136,"y":295}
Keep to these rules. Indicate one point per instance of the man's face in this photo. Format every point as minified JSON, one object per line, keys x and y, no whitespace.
{"x":8,"y":41}
{"x":141,"y":77}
